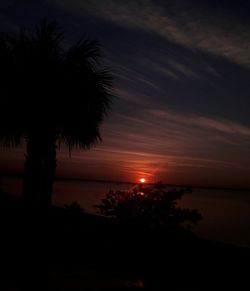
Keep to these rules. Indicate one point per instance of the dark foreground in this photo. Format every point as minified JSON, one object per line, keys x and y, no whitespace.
{"x":74,"y":251}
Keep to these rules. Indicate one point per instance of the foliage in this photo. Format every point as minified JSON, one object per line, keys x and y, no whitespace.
{"x":74,"y":209}
{"x":51,"y":93}
{"x":150,"y":207}
{"x":50,"y":89}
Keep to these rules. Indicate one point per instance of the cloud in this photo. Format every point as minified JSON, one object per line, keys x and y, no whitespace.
{"x":207,"y":27}
{"x":206,"y":123}
{"x":168,"y":137}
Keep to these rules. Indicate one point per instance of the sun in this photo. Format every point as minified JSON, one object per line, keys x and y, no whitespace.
{"x":142,"y":180}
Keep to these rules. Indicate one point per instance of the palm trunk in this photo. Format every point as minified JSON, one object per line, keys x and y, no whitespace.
{"x":39,"y":171}
{"x":37,"y":193}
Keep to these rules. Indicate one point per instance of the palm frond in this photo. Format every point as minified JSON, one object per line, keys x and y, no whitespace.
{"x":85,"y":53}
{"x":47,"y":32}
{"x":48,"y":89}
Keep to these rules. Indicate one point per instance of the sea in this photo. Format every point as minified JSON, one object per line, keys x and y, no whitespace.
{"x":226,"y":213}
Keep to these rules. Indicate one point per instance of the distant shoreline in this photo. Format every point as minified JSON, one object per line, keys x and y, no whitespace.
{"x":165,"y":184}
{"x":19,"y":175}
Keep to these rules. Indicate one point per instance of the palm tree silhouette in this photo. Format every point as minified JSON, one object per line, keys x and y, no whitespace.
{"x":50,"y":95}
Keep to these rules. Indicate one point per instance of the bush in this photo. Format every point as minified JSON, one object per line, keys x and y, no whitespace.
{"x":74,"y":209}
{"x":151,"y":207}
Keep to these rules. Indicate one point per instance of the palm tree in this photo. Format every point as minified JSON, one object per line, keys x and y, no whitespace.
{"x":50,"y":95}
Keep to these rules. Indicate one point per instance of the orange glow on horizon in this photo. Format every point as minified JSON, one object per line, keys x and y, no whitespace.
{"x":142,"y":180}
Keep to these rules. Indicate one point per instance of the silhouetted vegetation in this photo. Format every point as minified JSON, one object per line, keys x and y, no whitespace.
{"x":152,"y":207}
{"x":50,"y":94}
{"x":74,"y":209}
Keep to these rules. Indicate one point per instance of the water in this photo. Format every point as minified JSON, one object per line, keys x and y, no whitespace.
{"x":226,"y":213}
{"x":86,"y":194}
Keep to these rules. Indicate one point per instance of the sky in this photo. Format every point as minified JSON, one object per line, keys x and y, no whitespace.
{"x":182,"y":72}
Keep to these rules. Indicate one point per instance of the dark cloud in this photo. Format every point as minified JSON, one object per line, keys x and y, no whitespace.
{"x":214,"y":26}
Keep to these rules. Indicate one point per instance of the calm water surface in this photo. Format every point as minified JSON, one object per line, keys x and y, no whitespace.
{"x":226,"y":213}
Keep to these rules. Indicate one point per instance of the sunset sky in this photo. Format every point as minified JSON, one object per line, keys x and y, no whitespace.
{"x":182,"y":81}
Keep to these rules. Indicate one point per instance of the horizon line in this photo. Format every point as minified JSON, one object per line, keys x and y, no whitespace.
{"x":61,"y":178}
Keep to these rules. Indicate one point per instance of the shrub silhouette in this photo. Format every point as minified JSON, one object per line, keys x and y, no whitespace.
{"x":150,"y":207}
{"x":74,"y":209}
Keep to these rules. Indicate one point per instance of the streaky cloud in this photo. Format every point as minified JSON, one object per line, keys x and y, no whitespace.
{"x":196,"y":26}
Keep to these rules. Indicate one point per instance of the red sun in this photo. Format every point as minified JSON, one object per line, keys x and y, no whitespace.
{"x":142,"y":180}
